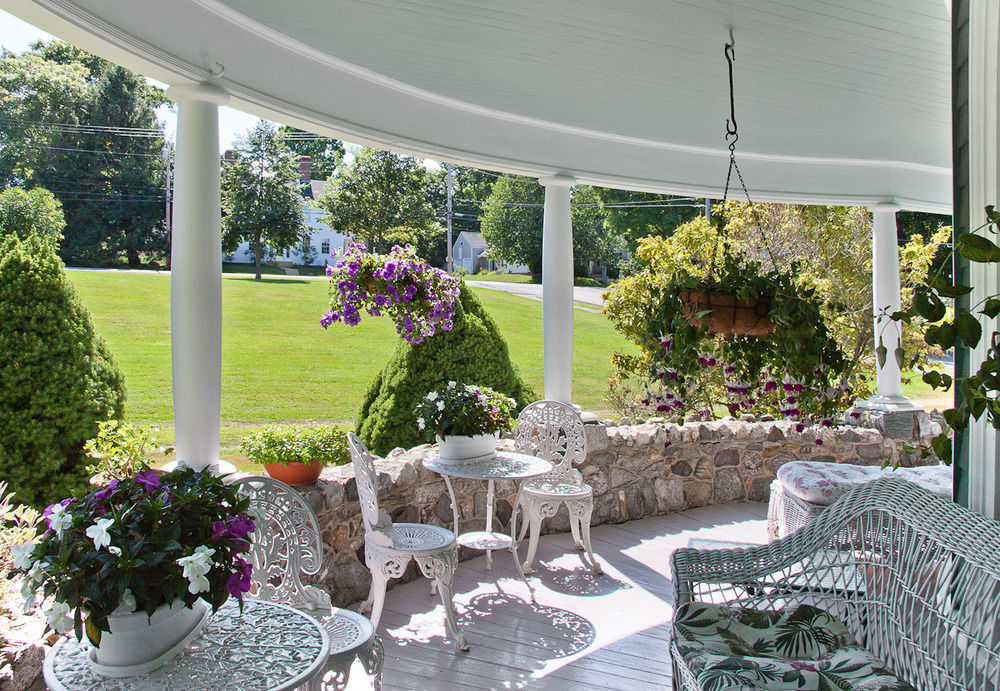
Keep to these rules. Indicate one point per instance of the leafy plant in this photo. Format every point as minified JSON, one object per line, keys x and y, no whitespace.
{"x":796,"y":371}
{"x":979,"y":391}
{"x":119,"y":450}
{"x":464,"y":410}
{"x":17,"y":525}
{"x":417,"y":297}
{"x":284,"y":444}
{"x":135,"y":545}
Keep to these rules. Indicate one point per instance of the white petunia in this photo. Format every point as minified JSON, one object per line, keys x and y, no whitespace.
{"x":198,"y":584}
{"x":117,"y":551}
{"x":257,"y":513}
{"x":99,"y":532}
{"x":451,"y":385}
{"x":59,"y":617}
{"x":28,"y":594}
{"x":440,"y":405}
{"x":35,"y":573}
{"x":421,"y":424}
{"x":432,"y":396}
{"x":59,"y":520}
{"x":22,"y":555}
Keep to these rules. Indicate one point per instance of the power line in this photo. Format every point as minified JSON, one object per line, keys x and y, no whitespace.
{"x":79,"y":128}
{"x":82,"y":151}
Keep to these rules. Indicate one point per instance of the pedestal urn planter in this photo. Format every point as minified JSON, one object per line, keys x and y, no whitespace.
{"x":462,"y":449}
{"x":137,"y":643}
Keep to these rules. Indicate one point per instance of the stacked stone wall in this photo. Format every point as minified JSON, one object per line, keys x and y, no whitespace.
{"x":635,"y":470}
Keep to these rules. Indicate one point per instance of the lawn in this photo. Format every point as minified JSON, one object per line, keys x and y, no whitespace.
{"x":278,"y":365}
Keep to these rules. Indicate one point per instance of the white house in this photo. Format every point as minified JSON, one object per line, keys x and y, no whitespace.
{"x":467,"y":252}
{"x":322,"y":241}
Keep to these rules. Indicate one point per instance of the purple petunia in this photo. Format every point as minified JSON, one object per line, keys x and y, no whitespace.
{"x":102,"y":495}
{"x":149,"y":479}
{"x":239,"y":582}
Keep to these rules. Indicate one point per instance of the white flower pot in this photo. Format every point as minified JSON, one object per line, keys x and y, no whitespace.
{"x":138,"y":644}
{"x":458,"y":449}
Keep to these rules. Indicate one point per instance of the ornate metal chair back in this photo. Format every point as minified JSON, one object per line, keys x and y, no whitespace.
{"x":553,"y":431}
{"x":367,"y":481}
{"x":286,"y":543}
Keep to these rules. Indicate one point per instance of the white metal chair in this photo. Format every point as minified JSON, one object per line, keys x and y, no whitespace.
{"x":389,"y":546}
{"x":287,"y":542}
{"x":554,"y":431}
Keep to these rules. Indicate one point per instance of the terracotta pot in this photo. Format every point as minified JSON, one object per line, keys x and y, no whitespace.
{"x":295,"y":474}
{"x":729,"y":315}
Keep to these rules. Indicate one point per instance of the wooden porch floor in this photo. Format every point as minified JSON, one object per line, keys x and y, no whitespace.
{"x":603,"y":632}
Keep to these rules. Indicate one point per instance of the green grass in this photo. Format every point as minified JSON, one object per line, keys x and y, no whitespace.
{"x":278,"y":365}
{"x":234,"y":268}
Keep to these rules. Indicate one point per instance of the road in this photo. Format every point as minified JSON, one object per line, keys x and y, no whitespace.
{"x":585,"y":295}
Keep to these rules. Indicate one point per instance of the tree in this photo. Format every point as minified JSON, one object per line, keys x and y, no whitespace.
{"x":57,"y":378}
{"x":473,"y":352}
{"x":326,"y":153}
{"x":512,"y":224}
{"x":381,"y":199}
{"x":635,"y":215}
{"x":36,"y":212}
{"x":86,"y":129}
{"x":260,"y":200}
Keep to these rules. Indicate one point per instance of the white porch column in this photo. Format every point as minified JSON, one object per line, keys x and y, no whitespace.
{"x":885,"y":292}
{"x":557,"y":288}
{"x":196,"y":275}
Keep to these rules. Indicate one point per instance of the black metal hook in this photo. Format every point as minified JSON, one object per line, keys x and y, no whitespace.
{"x":731,"y":126}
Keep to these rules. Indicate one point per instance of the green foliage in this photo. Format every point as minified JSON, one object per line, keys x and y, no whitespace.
{"x":473,"y":351}
{"x":326,"y":153}
{"x":636,"y":215}
{"x":58,"y":379}
{"x":260,"y":202}
{"x":144,"y":527}
{"x":34,"y":212}
{"x":464,"y":410}
{"x":119,"y":450}
{"x":284,"y":444}
{"x":381,"y":199}
{"x":17,"y":526}
{"x":111,"y":186}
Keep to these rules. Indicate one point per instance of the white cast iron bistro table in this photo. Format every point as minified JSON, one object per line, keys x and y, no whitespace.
{"x":269,"y":646}
{"x":505,"y":465}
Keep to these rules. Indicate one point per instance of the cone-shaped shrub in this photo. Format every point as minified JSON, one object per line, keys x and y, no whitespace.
{"x":57,"y":379}
{"x":473,"y":352}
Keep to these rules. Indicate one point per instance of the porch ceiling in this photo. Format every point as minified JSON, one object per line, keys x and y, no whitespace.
{"x":837,"y":100}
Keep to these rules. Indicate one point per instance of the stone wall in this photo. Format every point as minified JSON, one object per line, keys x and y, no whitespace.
{"x":635,"y":470}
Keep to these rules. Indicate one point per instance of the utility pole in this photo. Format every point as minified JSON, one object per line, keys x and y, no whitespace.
{"x":450,"y":188}
{"x":708,"y":209}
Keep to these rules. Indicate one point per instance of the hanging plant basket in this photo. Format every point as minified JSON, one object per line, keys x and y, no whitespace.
{"x":728,"y":314}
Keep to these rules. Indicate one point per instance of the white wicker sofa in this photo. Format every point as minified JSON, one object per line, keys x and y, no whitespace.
{"x":889,"y":579}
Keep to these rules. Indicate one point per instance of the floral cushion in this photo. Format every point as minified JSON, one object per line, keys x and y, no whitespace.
{"x":804,"y":648}
{"x":824,"y":483}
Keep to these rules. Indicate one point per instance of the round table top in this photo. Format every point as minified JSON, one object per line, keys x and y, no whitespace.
{"x":506,"y":465}
{"x":268,"y":646}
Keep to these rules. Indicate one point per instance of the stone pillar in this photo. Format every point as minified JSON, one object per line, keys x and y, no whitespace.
{"x":557,"y":288}
{"x":886,"y":300}
{"x":196,"y":275}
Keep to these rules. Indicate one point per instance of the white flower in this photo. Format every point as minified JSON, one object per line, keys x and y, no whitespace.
{"x":99,"y":532}
{"x":117,"y":551}
{"x":195,"y":567}
{"x":432,"y":396}
{"x":59,"y":520}
{"x":28,"y":594}
{"x":440,"y":405}
{"x":22,"y":555}
{"x":59,"y":617}
{"x":421,"y":424}
{"x":35,"y":573}
{"x":127,"y":603}
{"x":451,"y":385}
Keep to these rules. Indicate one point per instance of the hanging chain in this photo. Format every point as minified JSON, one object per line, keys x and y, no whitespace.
{"x":732,"y":136}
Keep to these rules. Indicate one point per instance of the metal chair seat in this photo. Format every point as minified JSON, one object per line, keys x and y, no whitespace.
{"x":419,"y":538}
{"x":550,"y":487}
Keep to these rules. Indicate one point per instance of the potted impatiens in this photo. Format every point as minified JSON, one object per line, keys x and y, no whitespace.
{"x":138,"y":564}
{"x":296,"y":454}
{"x":417,"y":297}
{"x":465,"y":419}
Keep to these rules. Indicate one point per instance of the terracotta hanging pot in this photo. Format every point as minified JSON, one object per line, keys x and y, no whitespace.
{"x":729,"y":315}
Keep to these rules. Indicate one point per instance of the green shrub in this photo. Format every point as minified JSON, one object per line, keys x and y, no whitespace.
{"x":36,"y":212}
{"x":119,"y":451}
{"x":57,"y":379}
{"x":472,"y":352}
{"x":284,"y":444}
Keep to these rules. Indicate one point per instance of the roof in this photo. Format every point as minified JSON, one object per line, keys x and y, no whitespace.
{"x":844,"y":101}
{"x":473,"y":240}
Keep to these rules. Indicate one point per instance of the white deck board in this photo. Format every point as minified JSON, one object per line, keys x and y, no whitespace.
{"x":603,"y":632}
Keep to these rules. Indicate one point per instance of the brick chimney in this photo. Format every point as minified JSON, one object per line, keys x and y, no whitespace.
{"x":229,"y":156}
{"x":305,"y":168}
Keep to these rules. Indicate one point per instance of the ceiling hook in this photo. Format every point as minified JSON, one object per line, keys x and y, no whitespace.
{"x":216,"y":70}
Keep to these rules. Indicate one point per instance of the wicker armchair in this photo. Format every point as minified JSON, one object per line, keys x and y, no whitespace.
{"x":908,"y":577}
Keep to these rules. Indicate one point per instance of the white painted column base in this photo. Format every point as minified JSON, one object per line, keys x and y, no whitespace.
{"x":557,"y":288}
{"x":196,"y":276}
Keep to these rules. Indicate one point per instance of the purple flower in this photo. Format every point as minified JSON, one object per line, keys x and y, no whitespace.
{"x":239,"y":582}
{"x":328,"y":319}
{"x":799,"y":427}
{"x":409,"y":293}
{"x":352,"y":269}
{"x":389,"y":270}
{"x":102,"y":495}
{"x":770,"y":385}
{"x":149,"y":479}
{"x":819,"y":442}
{"x":381,"y":300}
{"x":329,"y":270}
